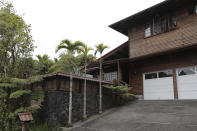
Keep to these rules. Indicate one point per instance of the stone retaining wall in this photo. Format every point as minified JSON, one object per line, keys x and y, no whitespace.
{"x":55,"y":106}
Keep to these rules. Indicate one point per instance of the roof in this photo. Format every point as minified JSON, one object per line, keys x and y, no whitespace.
{"x":123,"y":25}
{"x":77,"y":77}
{"x":112,"y":52}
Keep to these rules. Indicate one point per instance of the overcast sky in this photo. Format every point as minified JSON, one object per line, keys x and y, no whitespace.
{"x":85,"y":20}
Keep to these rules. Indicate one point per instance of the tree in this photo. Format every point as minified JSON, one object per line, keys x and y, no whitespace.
{"x":100,"y":48}
{"x":85,"y":50}
{"x":44,"y":64}
{"x":16,"y":41}
{"x":70,"y":48}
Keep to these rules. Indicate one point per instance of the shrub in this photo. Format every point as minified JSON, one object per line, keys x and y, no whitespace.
{"x":42,"y":127}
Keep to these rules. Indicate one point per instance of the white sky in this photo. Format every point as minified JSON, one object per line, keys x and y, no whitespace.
{"x":84,"y":20}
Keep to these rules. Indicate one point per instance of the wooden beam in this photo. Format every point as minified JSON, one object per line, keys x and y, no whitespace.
{"x":171,"y":58}
{"x":119,"y":72}
{"x":175,"y":84}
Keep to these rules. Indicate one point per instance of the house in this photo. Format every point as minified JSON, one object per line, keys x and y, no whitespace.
{"x":159,"y":60}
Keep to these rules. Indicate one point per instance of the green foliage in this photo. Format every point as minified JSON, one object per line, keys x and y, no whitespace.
{"x":18,"y":83}
{"x":33,"y":109}
{"x":100,"y":48}
{"x":118,"y":89}
{"x":128,"y":95}
{"x":63,"y":64}
{"x":34,"y":79}
{"x":43,"y":64}
{"x":37,"y":95}
{"x":3,"y":110}
{"x":16,"y":43}
{"x":15,"y":113}
{"x":7,"y":85}
{"x":69,"y":46}
{"x":19,"y":93}
{"x":42,"y":127}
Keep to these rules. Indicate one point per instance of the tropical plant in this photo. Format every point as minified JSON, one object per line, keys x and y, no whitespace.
{"x":15,"y":99}
{"x":121,"y":93}
{"x":44,"y":64}
{"x":100,"y":48}
{"x":85,"y":50}
{"x":70,"y":48}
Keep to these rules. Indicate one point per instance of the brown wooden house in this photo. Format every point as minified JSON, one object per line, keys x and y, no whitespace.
{"x":159,"y":60}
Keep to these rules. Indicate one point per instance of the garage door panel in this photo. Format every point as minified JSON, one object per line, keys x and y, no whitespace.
{"x":158,"y":88}
{"x":190,"y":87}
{"x":158,"y":96}
{"x":188,"y":95}
{"x":187,"y":83}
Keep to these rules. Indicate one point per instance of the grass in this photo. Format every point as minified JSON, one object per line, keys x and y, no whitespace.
{"x":42,"y":127}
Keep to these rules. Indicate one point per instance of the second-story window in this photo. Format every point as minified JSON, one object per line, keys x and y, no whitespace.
{"x":192,"y":10}
{"x":160,"y":25}
{"x":196,"y":9}
{"x":148,"y":30}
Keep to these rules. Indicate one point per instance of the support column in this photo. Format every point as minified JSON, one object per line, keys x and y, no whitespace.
{"x":175,"y":84}
{"x":171,"y":58}
{"x":119,"y":73}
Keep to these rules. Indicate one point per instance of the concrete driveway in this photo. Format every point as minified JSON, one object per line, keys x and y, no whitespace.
{"x":147,"y":116}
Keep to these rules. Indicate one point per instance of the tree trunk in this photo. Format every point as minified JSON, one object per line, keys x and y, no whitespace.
{"x":5,"y":63}
{"x":84,"y":106}
{"x":70,"y":102}
{"x":100,"y":87}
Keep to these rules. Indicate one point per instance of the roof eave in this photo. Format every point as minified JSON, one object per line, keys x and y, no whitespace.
{"x":117,"y":25}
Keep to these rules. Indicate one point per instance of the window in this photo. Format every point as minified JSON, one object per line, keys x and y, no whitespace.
{"x":164,"y":74}
{"x":160,"y":25}
{"x":187,"y":71}
{"x":192,"y":10}
{"x":147,"y":30}
{"x":159,"y":74}
{"x":111,"y":76}
{"x":150,"y":76}
{"x":196,"y":9}
{"x":172,"y":22}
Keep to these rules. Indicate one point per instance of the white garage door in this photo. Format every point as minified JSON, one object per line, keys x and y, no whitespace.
{"x":158,"y":85}
{"x":187,"y":83}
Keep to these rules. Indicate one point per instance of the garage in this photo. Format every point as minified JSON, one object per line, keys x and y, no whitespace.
{"x":187,"y":83}
{"x":158,"y":85}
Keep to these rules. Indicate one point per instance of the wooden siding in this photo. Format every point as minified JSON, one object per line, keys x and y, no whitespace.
{"x":168,"y":61}
{"x":62,"y":83}
{"x":183,"y":36}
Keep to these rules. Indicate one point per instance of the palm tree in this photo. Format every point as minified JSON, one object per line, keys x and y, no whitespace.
{"x":100,"y":48}
{"x":70,"y":48}
{"x":44,"y":63}
{"x":85,"y":50}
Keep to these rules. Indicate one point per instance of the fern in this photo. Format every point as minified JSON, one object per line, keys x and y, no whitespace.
{"x":118,"y":89}
{"x":7,"y":85}
{"x":33,"y":109}
{"x":19,"y":93}
{"x":16,"y":82}
{"x":35,"y":79}
{"x":128,"y":95}
{"x":38,"y":95}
